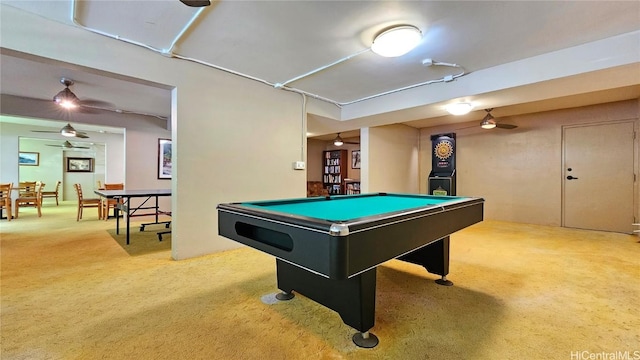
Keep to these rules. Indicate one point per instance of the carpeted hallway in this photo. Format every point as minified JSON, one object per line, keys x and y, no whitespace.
{"x":73,"y":290}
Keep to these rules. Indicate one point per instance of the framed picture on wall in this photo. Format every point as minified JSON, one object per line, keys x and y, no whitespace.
{"x":164,"y":159}
{"x":77,"y":164}
{"x":28,"y":158}
{"x":355,"y":159}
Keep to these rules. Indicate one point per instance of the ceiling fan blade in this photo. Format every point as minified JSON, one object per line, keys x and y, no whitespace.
{"x":498,"y":125}
{"x":68,"y":147}
{"x":86,"y":110}
{"x":79,"y":134}
{"x":96,"y":103}
{"x":467,"y":127}
{"x":196,"y":3}
{"x":82,"y":135}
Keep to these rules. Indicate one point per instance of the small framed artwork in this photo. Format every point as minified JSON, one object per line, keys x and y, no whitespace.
{"x":28,"y":158}
{"x":164,"y":159}
{"x":77,"y":164}
{"x":355,"y":159}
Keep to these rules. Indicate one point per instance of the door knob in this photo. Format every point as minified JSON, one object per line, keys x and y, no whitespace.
{"x":571,"y":178}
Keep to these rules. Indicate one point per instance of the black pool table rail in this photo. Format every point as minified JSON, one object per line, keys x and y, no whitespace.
{"x":344,"y":249}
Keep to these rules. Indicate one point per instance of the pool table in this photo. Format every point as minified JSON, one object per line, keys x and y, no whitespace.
{"x":328,"y":248}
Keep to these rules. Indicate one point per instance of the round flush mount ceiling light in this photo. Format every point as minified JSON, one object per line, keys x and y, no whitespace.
{"x":460,"y":108}
{"x":396,"y":41}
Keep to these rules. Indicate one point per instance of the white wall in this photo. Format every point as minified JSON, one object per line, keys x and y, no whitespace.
{"x":314,"y":159}
{"x":390,"y":159}
{"x":140,"y":154}
{"x":49,"y":169}
{"x":237,"y":142}
{"x":87,"y":180}
{"x":233,"y":139}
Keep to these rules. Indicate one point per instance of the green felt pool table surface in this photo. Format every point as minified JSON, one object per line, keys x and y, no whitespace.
{"x":348,"y":207}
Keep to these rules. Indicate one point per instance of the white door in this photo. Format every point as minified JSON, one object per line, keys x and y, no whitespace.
{"x":598,"y":176}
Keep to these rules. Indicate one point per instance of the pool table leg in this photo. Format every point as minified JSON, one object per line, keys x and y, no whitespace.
{"x":354,"y":299}
{"x":434,"y":257}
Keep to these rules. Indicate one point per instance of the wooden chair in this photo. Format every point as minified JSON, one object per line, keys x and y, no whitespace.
{"x":52,"y":194}
{"x":314,"y":188}
{"x":110,"y":203}
{"x":30,"y":195}
{"x":5,"y":199}
{"x":86,"y":203}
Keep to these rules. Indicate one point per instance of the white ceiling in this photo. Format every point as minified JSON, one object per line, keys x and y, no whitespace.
{"x":277,"y":41}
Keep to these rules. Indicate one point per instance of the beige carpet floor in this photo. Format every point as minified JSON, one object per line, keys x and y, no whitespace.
{"x":73,"y":290}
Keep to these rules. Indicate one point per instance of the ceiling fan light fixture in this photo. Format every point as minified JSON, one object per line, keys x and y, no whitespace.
{"x":460,"y":108}
{"x":68,"y":131}
{"x":488,"y":122}
{"x":67,"y":99}
{"x":396,"y":41}
{"x":338,"y":141}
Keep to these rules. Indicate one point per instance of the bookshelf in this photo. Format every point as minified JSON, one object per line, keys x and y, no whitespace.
{"x":352,"y":186}
{"x":334,"y":171}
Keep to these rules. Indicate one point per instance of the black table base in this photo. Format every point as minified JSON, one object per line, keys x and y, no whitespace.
{"x":354,"y":299}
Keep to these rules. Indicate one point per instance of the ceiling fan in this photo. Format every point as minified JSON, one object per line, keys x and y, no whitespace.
{"x":489,"y":122}
{"x":339,"y":142}
{"x":68,"y":100}
{"x":68,"y":145}
{"x":67,"y":131}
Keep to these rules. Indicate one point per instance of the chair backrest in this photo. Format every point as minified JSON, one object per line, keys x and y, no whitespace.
{"x":119,"y":186}
{"x":5,"y":198}
{"x":78,"y":188}
{"x":5,"y":191}
{"x":52,"y":193}
{"x":27,"y":185}
{"x":28,"y":189}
